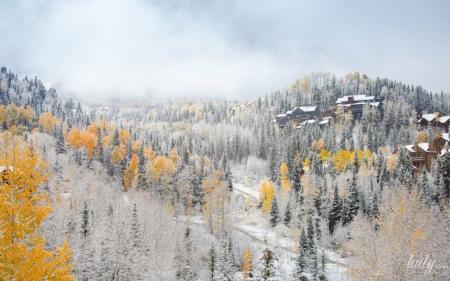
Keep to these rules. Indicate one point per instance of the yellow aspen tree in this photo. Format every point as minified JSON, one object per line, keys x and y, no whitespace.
{"x":47,"y":122}
{"x":118,"y":153}
{"x":136,"y":146}
{"x":161,"y":168}
{"x":174,"y":155}
{"x":74,"y":138}
{"x":392,"y":162}
{"x":124,"y":136}
{"x":93,"y":128}
{"x":285,"y":184}
{"x":89,"y":141}
{"x":342,"y":158}
{"x":266,"y":194}
{"x":306,"y":164}
{"x":23,"y":208}
{"x":247,"y":265}
{"x":216,"y":194}
{"x":130,"y":172}
{"x":148,"y":151}
{"x":365,"y":154}
{"x":324,"y":154}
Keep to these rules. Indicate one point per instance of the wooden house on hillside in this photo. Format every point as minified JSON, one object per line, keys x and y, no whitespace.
{"x":434,"y":120}
{"x":421,"y":155}
{"x":302,"y":113}
{"x":356,"y":104}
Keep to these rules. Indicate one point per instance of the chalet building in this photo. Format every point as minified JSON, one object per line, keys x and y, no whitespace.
{"x":298,"y":115}
{"x":421,"y":155}
{"x":356,"y":104}
{"x":441,"y":143}
{"x":428,"y":120}
{"x":302,"y":113}
{"x":435,"y":121}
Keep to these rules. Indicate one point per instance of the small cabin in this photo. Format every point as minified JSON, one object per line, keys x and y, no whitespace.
{"x":421,"y":155}
{"x":356,"y":104}
{"x":302,"y":113}
{"x":441,"y":142}
{"x":428,"y":120}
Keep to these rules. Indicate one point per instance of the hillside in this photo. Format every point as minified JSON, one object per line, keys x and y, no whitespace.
{"x":330,"y":179}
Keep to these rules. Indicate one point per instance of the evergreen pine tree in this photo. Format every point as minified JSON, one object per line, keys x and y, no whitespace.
{"x":274,"y":212}
{"x":142,"y":176}
{"x":287,"y":214}
{"x":212,"y":264}
{"x":99,"y":146}
{"x":335,"y":214}
{"x":60,"y":142}
{"x":444,"y":167}
{"x":303,"y":253}
{"x":352,"y":202}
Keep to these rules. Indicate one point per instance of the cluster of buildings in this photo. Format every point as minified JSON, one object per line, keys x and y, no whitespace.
{"x":434,"y":120}
{"x":422,"y":154}
{"x":310,"y":114}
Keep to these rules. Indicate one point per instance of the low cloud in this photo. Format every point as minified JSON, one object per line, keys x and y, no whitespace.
{"x":118,"y":48}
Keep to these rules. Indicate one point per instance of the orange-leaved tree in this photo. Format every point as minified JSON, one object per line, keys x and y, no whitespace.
{"x":130,"y":172}
{"x":24,"y":254}
{"x":247,"y":266}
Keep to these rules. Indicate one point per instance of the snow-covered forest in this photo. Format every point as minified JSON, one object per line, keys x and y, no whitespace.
{"x":331,"y":178}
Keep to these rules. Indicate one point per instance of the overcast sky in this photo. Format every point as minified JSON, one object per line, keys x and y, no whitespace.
{"x":226,"y":48}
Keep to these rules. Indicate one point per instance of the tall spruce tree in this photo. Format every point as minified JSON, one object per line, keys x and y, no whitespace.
{"x":274,"y":212}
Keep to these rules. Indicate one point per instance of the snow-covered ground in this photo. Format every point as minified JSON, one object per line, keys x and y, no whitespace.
{"x":254,"y":225}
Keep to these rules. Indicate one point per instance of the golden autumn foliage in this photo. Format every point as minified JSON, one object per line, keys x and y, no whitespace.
{"x":93,"y":128}
{"x":285,"y":184}
{"x":89,"y":142}
{"x":247,"y":265}
{"x":306,"y":164}
{"x":174,"y":155}
{"x":14,"y":115}
{"x":82,"y":139}
{"x":124,"y":136}
{"x":392,"y":162}
{"x":118,"y":153}
{"x":266,"y":194}
{"x":324,"y":154}
{"x":47,"y":122}
{"x":148,"y":152}
{"x":23,"y":208}
{"x":161,"y":167}
{"x":406,"y":226}
{"x":74,"y":138}
{"x":130,"y":172}
{"x":343,"y":158}
{"x":136,"y":146}
{"x":216,"y":195}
